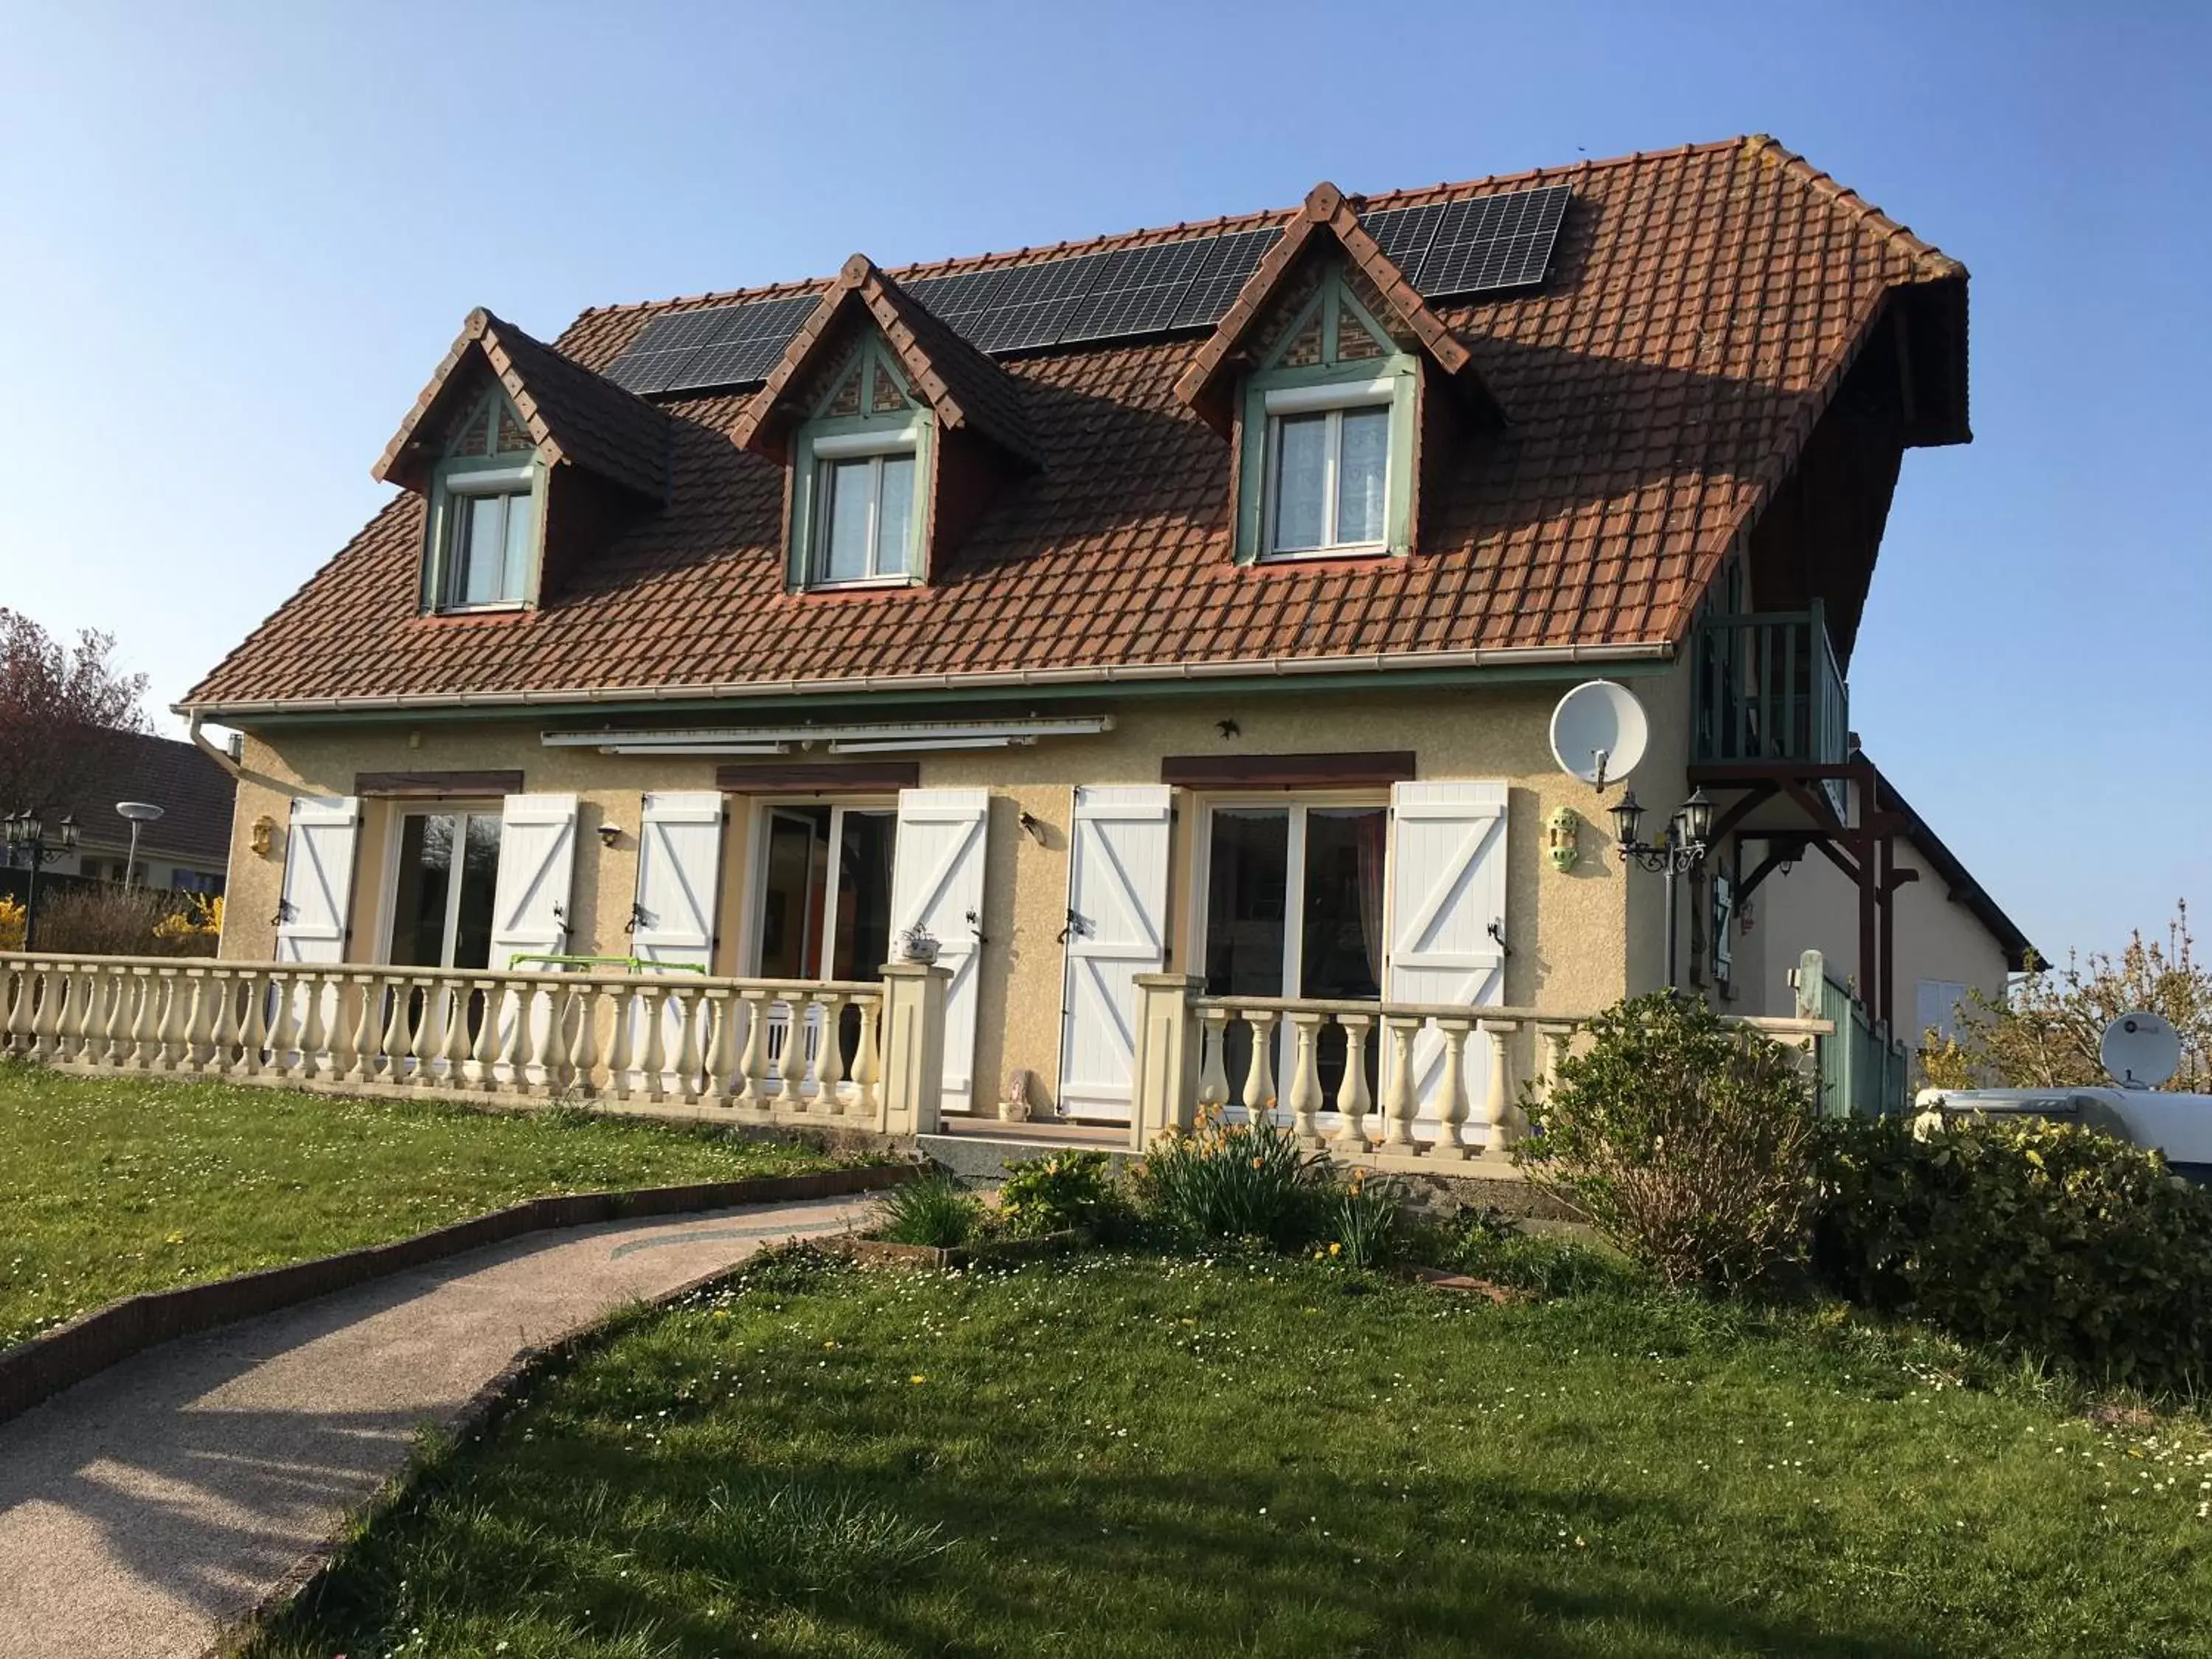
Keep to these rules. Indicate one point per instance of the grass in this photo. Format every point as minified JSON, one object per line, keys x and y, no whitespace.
{"x":110,"y":1186}
{"x":934,"y":1210}
{"x":1116,"y":1455}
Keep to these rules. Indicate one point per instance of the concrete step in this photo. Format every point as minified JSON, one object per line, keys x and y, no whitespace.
{"x":972,"y":1155}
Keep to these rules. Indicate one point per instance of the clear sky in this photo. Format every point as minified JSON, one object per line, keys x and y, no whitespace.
{"x":235,"y":240}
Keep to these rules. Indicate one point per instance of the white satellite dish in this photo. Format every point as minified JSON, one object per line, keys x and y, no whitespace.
{"x":2139,"y":1050}
{"x":1599,"y":732}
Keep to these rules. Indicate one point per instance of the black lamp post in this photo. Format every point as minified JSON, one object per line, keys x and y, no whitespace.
{"x":1681,"y":847}
{"x":26,"y":837}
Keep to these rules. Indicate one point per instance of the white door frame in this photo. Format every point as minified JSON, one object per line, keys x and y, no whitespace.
{"x":397,"y":809}
{"x":755,"y":885}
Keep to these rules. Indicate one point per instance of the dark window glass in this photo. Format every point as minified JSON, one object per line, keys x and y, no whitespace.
{"x":791,"y":896}
{"x":863,"y":933}
{"x":419,"y":910}
{"x":479,"y":880}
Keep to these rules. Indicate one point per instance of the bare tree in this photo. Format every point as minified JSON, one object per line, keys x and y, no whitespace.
{"x":49,"y":694}
{"x":2044,"y":1032}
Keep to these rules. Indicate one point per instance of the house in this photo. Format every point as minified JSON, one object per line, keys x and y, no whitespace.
{"x":186,"y":849}
{"x":1193,"y":601}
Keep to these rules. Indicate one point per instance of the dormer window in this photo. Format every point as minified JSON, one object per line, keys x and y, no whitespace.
{"x":1328,"y":420}
{"x":484,"y":512}
{"x":859,"y":488}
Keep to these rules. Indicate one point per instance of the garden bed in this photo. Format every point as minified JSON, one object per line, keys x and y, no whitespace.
{"x":997,"y":1252}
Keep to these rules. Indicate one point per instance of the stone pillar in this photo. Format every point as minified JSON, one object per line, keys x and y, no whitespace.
{"x":1163,"y":1078}
{"x":914,"y":1047}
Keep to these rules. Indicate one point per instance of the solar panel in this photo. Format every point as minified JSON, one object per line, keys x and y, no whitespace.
{"x":722,"y":345}
{"x":1480,"y":245}
{"x":1491,"y":242}
{"x":1229,"y":265}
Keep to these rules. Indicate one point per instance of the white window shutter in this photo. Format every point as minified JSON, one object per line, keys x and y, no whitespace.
{"x":531,"y":899}
{"x":320,"y":844}
{"x":1447,"y":894}
{"x":679,"y":871}
{"x":1938,"y":1001}
{"x":937,"y":883}
{"x":1117,"y":928}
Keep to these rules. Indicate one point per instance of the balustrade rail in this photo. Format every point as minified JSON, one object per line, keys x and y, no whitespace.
{"x":772,"y":1050}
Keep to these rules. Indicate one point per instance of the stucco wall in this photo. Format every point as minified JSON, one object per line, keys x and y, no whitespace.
{"x":1578,"y":940}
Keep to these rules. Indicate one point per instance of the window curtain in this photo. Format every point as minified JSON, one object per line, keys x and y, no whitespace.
{"x":1373,"y":831}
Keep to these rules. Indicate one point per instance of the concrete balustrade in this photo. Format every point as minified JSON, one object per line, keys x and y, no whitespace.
{"x":1415,"y":1086}
{"x":821,"y":1053}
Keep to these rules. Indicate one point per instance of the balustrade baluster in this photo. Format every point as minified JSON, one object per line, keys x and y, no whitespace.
{"x":1260,"y":1076}
{"x":366,"y":1026}
{"x":1305,"y":1076}
{"x":690,"y":1007}
{"x":1213,"y":1065}
{"x":718,"y":1056}
{"x":522,"y":1039}
{"x":1497,"y":1115}
{"x":179,"y":1009}
{"x":254,"y":1034}
{"x":485,"y":1051}
{"x":46,"y":1021}
{"x":1452,"y":1090}
{"x":753,"y":1063}
{"x":398,"y":1029}
{"x":1555,"y":1037}
{"x":454,"y":1000}
{"x":116,"y":1025}
{"x":1352,"y":1100}
{"x":1398,"y":1103}
{"x":791,"y":1063}
{"x":69,"y":1040}
{"x":868,"y":1063}
{"x":655,"y":1002}
{"x":622,"y":1044}
{"x":583,"y":1041}
{"x":222,"y":1034}
{"x":829,"y":1053}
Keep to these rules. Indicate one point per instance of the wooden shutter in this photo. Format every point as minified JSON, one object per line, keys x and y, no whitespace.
{"x":937,"y":883}
{"x":1447,"y":893}
{"x":679,"y":869}
{"x":1117,"y":928}
{"x":320,"y":845}
{"x":532,"y":897}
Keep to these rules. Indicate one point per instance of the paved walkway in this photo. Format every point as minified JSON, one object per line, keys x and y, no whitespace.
{"x":146,"y":1508}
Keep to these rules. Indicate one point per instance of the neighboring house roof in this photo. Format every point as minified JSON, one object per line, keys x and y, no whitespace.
{"x":1964,"y":889}
{"x":194,"y":793}
{"x":1702,"y":308}
{"x":577,"y":417}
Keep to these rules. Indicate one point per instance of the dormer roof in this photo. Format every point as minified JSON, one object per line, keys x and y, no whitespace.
{"x":963,"y":389}
{"x":577,"y":418}
{"x":1328,"y":218}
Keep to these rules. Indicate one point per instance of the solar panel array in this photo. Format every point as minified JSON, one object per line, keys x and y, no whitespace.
{"x":1487,"y":244}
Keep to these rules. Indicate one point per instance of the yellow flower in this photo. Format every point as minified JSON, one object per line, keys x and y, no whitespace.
{"x":917,"y":1378}
{"x":1336,"y":1249}
{"x":1257,"y":1162}
{"x":828,"y":1345}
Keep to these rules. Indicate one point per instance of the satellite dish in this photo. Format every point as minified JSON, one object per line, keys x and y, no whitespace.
{"x":2140,"y":1051}
{"x":1599,"y":732}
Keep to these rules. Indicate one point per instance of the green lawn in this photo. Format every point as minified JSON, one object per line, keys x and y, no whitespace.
{"x":110,"y":1186}
{"x":1117,"y":1455}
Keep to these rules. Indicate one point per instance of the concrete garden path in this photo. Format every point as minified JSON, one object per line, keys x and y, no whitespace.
{"x":145,"y":1508}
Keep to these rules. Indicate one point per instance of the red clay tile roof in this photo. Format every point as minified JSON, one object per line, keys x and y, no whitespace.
{"x":578,"y":417}
{"x":1702,"y":308}
{"x":1326,"y":213}
{"x":963,"y":387}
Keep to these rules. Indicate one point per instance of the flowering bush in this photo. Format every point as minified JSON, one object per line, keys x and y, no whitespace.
{"x":2039,"y":1237}
{"x":11,"y":923}
{"x":1685,"y":1141}
{"x":198,"y":924}
{"x":1225,"y":1180}
{"x":1364,"y":1229}
{"x":1067,"y":1189}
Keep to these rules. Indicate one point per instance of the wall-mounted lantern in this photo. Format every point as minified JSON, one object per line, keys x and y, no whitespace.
{"x":1563,"y":838}
{"x":262,"y":836}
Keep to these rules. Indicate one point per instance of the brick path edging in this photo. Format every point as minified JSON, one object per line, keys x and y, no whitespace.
{"x":54,"y":1360}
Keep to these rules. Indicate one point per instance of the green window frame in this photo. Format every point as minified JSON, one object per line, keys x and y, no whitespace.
{"x":485,"y":534}
{"x":848,"y":464}
{"x":1317,"y":415}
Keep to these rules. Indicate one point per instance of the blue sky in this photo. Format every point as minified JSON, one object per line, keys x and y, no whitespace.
{"x":234,"y":241}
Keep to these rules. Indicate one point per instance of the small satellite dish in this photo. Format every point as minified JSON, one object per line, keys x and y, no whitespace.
{"x":2140,"y":1051}
{"x":139,"y":811}
{"x":1599,"y":732}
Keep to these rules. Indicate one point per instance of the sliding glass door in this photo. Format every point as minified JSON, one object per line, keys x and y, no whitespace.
{"x":441,"y":910}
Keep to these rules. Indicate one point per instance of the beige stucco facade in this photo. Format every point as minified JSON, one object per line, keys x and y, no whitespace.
{"x":1578,"y":939}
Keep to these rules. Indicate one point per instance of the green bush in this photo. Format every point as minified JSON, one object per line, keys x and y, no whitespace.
{"x":1225,"y":1180}
{"x":1067,"y":1189}
{"x":2039,"y":1239}
{"x":1685,"y":1141}
{"x":933,"y":1209}
{"x":1487,"y":1244}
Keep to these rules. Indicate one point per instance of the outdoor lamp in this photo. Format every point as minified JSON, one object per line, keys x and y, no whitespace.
{"x":1698,"y":818}
{"x":1625,"y":813}
{"x":31,"y":829}
{"x":69,"y":833}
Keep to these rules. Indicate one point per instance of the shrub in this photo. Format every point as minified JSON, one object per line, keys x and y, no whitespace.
{"x":2038,"y":1238}
{"x":1685,"y":1141}
{"x":11,"y":922}
{"x":197,"y":925}
{"x":1486,"y":1244}
{"x":1225,"y":1180}
{"x":933,"y":1209}
{"x":1067,"y":1189}
{"x":113,"y":921}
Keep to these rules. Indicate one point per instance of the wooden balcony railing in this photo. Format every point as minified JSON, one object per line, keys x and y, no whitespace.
{"x":1768,"y":689}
